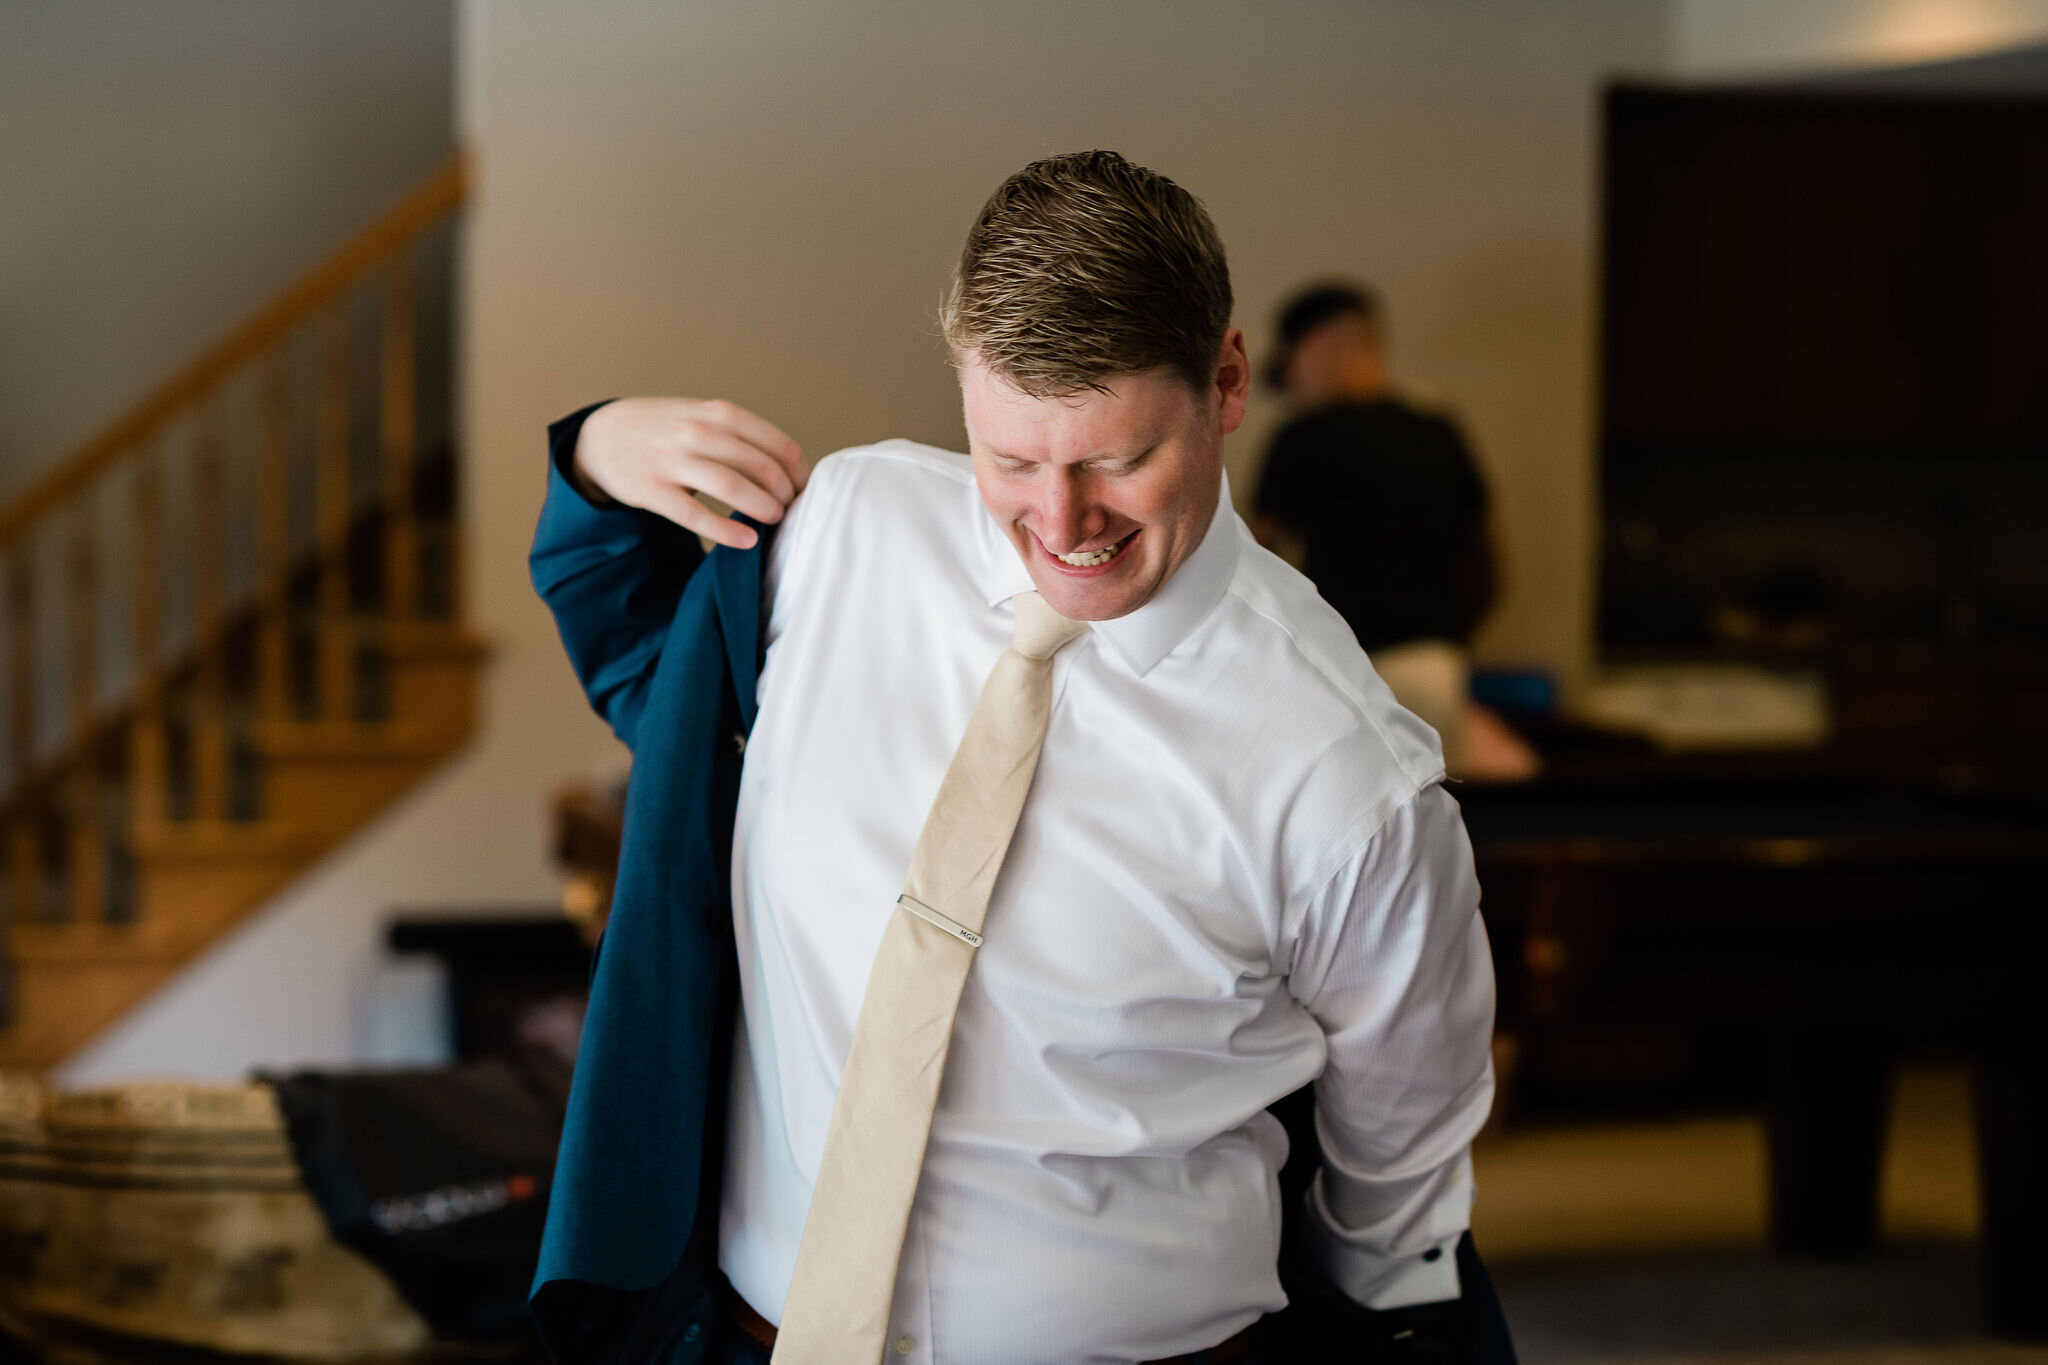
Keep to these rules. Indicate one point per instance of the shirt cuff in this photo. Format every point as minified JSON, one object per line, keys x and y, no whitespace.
{"x":1381,"y":1282}
{"x":562,"y":438}
{"x":1406,"y":1251}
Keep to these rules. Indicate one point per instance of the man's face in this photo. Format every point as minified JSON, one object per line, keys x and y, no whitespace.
{"x":1104,"y":494}
{"x":1345,"y":357}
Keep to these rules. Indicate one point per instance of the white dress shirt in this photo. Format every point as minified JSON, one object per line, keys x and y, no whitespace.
{"x":1236,"y":872}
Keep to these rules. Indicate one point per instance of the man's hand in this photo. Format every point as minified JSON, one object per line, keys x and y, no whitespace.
{"x":660,"y":453}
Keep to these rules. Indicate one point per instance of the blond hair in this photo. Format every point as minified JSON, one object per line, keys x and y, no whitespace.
{"x":1084,"y":267}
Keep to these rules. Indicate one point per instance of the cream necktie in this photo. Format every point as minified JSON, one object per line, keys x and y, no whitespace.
{"x":837,"y":1312}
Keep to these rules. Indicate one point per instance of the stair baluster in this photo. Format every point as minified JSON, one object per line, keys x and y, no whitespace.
{"x":273,"y":542}
{"x":88,"y":830}
{"x":22,"y":683}
{"x":148,"y":766}
{"x":223,"y":762}
{"x":24,"y":842}
{"x":336,"y":637}
{"x":208,"y":714}
{"x":397,"y":405}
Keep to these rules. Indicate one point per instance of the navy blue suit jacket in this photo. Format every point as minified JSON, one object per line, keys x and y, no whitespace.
{"x":667,"y":641}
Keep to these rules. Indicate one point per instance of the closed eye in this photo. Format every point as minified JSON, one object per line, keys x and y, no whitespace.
{"x":1127,"y":465}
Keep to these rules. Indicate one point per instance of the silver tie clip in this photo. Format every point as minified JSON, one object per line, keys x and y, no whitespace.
{"x":939,"y":921}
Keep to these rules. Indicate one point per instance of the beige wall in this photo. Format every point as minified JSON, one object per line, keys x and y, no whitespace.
{"x":723,"y":199}
{"x":762,"y":202}
{"x":168,"y":165}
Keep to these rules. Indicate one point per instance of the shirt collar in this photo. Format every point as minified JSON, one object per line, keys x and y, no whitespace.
{"x":1147,"y":635}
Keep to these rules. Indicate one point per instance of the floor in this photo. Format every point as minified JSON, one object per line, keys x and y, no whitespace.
{"x":1643,"y":1244}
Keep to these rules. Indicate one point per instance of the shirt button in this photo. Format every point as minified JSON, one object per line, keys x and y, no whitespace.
{"x":904,"y":1346}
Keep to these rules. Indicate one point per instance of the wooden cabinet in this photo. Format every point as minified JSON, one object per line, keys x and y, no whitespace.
{"x":1800,"y":272}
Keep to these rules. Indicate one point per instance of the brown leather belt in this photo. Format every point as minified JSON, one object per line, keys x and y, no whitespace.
{"x":761,"y":1332}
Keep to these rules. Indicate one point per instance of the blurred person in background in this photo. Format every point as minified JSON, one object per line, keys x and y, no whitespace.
{"x":1382,"y":505}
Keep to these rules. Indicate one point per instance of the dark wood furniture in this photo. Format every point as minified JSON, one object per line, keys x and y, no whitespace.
{"x":1824,"y":379}
{"x":1821,"y":926}
{"x":1801,"y":271}
{"x":517,"y":979}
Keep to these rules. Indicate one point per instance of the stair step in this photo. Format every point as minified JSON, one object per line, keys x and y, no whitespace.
{"x":92,"y":946}
{"x":217,"y":859}
{"x":179,"y":738}
{"x":58,"y":1006}
{"x":426,"y":641}
{"x":328,"y":778}
{"x":196,"y":841}
{"x":321,"y":781}
{"x":348,"y":741}
{"x":433,"y":675}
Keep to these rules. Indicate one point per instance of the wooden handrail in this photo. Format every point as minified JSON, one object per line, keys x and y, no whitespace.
{"x":441,"y":193}
{"x":176,"y":747}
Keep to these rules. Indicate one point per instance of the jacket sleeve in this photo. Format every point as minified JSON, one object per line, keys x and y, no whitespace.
{"x":612,"y":576}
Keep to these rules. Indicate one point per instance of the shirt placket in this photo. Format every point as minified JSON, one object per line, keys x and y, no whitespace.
{"x":910,"y":1312}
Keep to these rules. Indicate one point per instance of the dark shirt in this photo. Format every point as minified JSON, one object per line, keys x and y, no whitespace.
{"x":1392,"y":510}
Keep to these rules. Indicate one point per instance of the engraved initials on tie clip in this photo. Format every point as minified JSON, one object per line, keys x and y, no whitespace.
{"x":939,"y":921}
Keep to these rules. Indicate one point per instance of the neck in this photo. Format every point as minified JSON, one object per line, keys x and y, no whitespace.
{"x":1365,"y":382}
{"x":1343,"y":393}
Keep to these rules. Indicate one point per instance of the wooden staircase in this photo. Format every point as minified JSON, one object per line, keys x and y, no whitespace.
{"x":232,"y":631}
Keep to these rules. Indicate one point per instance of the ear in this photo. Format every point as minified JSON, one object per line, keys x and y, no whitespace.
{"x":1233,"y":380}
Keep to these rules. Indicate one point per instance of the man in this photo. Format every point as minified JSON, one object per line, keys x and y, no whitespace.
{"x":1235,"y":871}
{"x":1388,"y":511}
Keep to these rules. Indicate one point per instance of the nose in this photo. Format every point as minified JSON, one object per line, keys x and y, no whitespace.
{"x":1066,"y":515}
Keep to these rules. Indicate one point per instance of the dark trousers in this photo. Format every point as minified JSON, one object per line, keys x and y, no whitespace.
{"x":1320,"y":1324}
{"x":737,"y":1350}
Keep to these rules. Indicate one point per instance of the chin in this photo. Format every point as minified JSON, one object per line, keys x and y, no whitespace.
{"x":1087,"y":601}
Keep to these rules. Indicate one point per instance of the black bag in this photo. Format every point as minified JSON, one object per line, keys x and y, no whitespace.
{"x":440,"y":1178}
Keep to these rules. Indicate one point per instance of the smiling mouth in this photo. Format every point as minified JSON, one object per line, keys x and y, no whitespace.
{"x":1088,"y":559}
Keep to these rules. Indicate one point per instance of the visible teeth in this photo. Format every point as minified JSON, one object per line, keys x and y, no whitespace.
{"x":1083,"y":559}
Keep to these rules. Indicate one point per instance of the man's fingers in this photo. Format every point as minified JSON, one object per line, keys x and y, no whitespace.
{"x":764,"y":435}
{"x":715,"y":443}
{"x":678,"y":506}
{"x":730,"y":487}
{"x":658,"y":453}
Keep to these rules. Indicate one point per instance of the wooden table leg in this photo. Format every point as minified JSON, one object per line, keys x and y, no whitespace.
{"x":1827,"y":1121}
{"x":2012,"y":1144}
